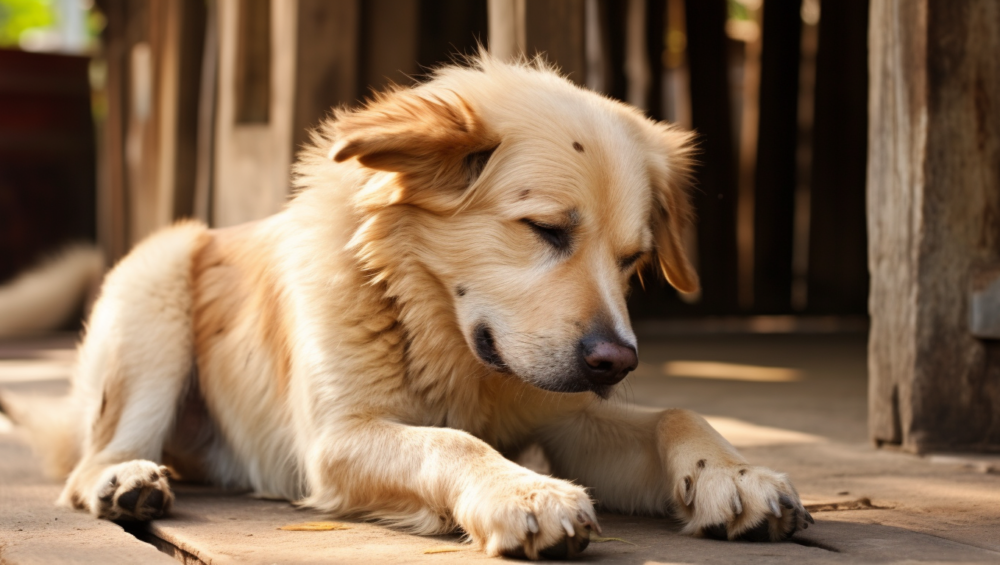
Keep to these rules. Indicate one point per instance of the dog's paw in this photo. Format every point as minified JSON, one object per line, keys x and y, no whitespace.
{"x":739,"y":502}
{"x":134,"y":490}
{"x":535,"y":517}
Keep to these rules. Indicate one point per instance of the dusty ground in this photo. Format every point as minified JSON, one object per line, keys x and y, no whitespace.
{"x":793,"y":402}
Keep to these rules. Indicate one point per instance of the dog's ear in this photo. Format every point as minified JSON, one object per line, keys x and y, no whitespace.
{"x":672,"y":212}
{"x":416,"y":132}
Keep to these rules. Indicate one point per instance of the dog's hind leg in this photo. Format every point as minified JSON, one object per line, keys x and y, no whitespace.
{"x":135,"y":364}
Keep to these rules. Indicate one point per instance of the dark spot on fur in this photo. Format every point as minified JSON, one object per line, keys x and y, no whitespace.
{"x":701,"y":463}
{"x":760,"y":532}
{"x":716,"y":531}
{"x":524,"y":194}
{"x":578,"y":147}
{"x":154,"y":476}
{"x":104,"y":403}
{"x":460,"y":290}
{"x":743,"y":472}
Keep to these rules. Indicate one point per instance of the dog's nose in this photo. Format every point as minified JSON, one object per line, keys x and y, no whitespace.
{"x":606,"y":361}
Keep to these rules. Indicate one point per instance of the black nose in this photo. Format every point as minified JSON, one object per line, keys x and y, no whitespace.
{"x":606,"y":361}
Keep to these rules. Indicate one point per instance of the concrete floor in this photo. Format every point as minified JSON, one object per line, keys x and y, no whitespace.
{"x":796,"y":403}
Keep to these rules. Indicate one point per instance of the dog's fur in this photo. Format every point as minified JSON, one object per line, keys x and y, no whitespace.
{"x":412,"y":317}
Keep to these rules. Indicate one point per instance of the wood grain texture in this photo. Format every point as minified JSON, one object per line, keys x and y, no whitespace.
{"x":556,"y":28}
{"x":933,"y":220}
{"x":253,"y":161}
{"x":326,"y":64}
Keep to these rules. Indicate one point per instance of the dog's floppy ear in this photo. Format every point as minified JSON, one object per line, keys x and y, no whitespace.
{"x":672,"y":212}
{"x":414,"y":131}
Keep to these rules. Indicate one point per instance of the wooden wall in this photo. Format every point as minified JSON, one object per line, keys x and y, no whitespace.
{"x":210,"y":101}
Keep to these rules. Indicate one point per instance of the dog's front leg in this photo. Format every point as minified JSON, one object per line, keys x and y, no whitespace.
{"x":645,"y":461}
{"x":430,"y":479}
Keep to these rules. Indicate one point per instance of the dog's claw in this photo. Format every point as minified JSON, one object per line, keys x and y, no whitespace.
{"x":809,"y":517}
{"x":786,"y":501}
{"x":688,"y":491}
{"x":593,"y":521}
{"x":775,"y":509}
{"x":737,"y":505}
{"x":568,"y":526}
{"x":532,"y":524}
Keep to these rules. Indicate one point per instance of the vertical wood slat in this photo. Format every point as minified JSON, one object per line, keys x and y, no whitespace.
{"x":507,"y":33}
{"x":190,"y":45}
{"x":326,"y":65}
{"x":389,"y":42}
{"x":450,"y":27}
{"x":838,"y":279}
{"x":253,"y":62}
{"x":715,"y":196}
{"x":253,"y":160}
{"x":934,"y":220}
{"x":112,"y":227}
{"x":656,"y":26}
{"x":775,"y":178}
{"x":556,"y":28}
{"x":153,"y":52}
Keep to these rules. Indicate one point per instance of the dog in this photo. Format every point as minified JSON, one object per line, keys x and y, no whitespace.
{"x":446,"y":287}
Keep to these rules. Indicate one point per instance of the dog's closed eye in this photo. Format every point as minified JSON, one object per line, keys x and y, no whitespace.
{"x":556,"y":236}
{"x":625,"y":263}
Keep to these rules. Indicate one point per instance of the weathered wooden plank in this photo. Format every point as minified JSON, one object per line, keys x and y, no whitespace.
{"x":389,"y":43}
{"x":556,"y":28}
{"x":190,"y":47}
{"x":326,"y":65}
{"x":933,"y":221}
{"x":506,"y":28}
{"x":253,"y":160}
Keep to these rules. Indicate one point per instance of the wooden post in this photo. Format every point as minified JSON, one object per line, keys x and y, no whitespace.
{"x":933,"y":221}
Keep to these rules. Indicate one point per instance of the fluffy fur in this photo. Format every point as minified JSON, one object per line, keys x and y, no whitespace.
{"x":412,"y":319}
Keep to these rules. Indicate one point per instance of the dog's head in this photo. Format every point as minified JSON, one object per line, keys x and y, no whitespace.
{"x":531,"y":202}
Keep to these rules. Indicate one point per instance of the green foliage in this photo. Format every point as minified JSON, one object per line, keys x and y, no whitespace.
{"x":16,"y":16}
{"x":737,"y":10}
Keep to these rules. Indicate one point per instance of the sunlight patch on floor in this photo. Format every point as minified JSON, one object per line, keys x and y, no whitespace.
{"x":729,"y":371}
{"x":744,"y":434}
{"x":18,"y":371}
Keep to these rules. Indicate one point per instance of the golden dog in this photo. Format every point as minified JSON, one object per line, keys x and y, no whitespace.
{"x":446,"y":287}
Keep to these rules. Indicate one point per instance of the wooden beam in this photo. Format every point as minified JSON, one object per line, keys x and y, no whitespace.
{"x":933,"y":221}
